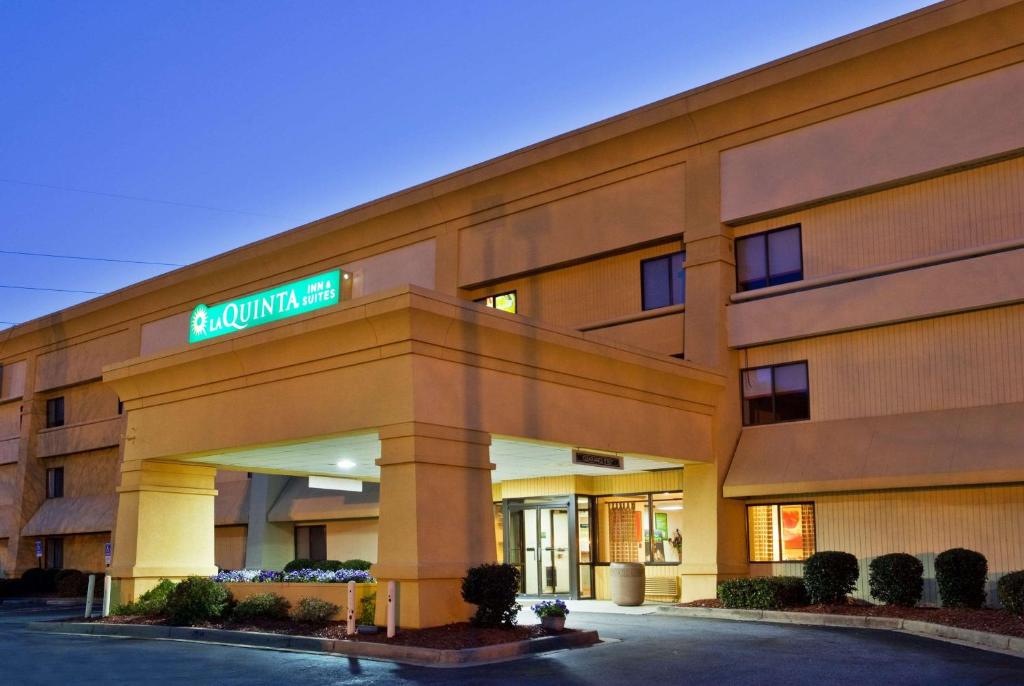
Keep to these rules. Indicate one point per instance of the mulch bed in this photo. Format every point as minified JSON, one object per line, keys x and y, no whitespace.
{"x":993,"y":621}
{"x":448,"y":637}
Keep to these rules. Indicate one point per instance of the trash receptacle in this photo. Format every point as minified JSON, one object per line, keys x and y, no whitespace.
{"x":627,"y":583}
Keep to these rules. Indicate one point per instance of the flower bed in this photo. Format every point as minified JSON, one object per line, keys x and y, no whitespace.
{"x":331,"y":586}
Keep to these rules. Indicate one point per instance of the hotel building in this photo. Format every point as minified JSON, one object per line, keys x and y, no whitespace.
{"x":779,"y":313}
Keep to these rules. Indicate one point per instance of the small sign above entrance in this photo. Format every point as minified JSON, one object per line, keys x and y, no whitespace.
{"x":280,"y":302}
{"x":597,"y":459}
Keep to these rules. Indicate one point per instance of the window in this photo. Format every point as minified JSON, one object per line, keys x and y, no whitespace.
{"x":120,"y":407}
{"x":663,"y":281}
{"x":55,"y":412}
{"x":311,"y":542}
{"x":506,"y":302}
{"x":55,"y":482}
{"x":640,"y":528}
{"x":780,"y":533}
{"x":55,"y":553}
{"x":776,"y":393}
{"x":769,"y":259}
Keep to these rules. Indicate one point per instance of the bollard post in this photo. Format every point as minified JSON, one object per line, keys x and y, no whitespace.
{"x":391,"y":608}
{"x":89,"y":593}
{"x":106,"y":595}
{"x":350,"y":627}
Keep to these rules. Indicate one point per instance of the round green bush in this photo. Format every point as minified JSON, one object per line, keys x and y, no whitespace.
{"x":321,"y":565}
{"x":356,"y":563}
{"x":763,"y":593}
{"x":315,"y":610}
{"x":261,"y":606}
{"x":36,"y":580}
{"x":830,"y":576}
{"x":197,"y":599}
{"x":961,"y":575}
{"x":152,"y":603}
{"x":1010,"y":589}
{"x":896,"y":579}
{"x":492,"y":588}
{"x":71,"y":583}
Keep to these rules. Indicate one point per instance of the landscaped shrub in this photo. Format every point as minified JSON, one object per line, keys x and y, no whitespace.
{"x":896,"y":579}
{"x":71,"y":583}
{"x":368,"y":610}
{"x":961,"y":576}
{"x":492,"y":588}
{"x":322,"y":565}
{"x":314,"y":610}
{"x":356,"y":563}
{"x":763,"y":593}
{"x":11,"y":587}
{"x":1011,"y":592}
{"x":38,"y":580}
{"x":197,"y":599}
{"x":261,"y":606}
{"x":830,"y":576}
{"x":152,"y":603}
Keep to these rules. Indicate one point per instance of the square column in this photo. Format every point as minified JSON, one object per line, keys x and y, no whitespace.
{"x":164,"y":529}
{"x":436,"y":519}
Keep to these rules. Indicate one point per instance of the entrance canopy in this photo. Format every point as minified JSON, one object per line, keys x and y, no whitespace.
{"x":355,"y":457}
{"x":299,"y":395}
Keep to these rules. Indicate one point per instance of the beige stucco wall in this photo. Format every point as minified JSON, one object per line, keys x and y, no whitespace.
{"x":920,"y":522}
{"x":955,"y":361}
{"x":961,"y":210}
{"x":229,"y":547}
{"x":84,"y":552}
{"x":352,"y":539}
{"x":953,"y":124}
{"x":83,"y":360}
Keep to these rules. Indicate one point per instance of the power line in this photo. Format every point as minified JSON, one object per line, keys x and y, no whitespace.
{"x":54,"y":290}
{"x":141,"y":198}
{"x":94,"y":259}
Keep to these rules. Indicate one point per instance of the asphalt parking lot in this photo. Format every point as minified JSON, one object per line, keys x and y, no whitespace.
{"x":650,"y":650}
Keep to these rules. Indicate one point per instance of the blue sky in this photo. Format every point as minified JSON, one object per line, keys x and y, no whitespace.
{"x":197,"y":127}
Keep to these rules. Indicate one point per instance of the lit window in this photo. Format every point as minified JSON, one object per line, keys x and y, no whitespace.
{"x":769,"y":259}
{"x":663,"y":281}
{"x":640,"y":528}
{"x":54,"y":412}
{"x":776,"y":393}
{"x":780,"y":533}
{"x":506,"y":302}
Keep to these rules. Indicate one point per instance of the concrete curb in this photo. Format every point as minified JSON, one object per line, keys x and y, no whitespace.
{"x":428,"y":657}
{"x":976,"y":639}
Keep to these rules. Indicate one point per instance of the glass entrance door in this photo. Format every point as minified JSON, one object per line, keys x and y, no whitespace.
{"x":540,"y":543}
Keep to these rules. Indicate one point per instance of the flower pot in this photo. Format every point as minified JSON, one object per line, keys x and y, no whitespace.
{"x":553,"y":623}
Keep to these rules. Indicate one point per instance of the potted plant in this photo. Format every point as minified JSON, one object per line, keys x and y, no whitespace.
{"x":552,"y":614}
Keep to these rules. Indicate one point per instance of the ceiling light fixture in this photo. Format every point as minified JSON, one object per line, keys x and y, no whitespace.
{"x":346,"y":464}
{"x":668,"y":508}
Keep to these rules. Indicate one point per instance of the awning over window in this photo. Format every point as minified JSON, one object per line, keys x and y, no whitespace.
{"x":977,"y":445}
{"x":300,"y":503}
{"x":82,"y":515}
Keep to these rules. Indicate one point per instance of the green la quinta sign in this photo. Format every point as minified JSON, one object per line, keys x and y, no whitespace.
{"x":264,"y":307}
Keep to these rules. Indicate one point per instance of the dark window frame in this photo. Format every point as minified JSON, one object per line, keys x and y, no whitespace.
{"x":296,"y":540}
{"x":595,"y":536}
{"x":643,"y":281}
{"x":743,"y":400}
{"x":781,"y":503}
{"x":53,"y":549}
{"x":767,"y":256}
{"x":52,"y":420}
{"x":54,"y":486}
{"x":514,"y":293}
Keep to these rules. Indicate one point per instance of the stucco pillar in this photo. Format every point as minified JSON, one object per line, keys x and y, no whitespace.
{"x":268,"y":545}
{"x":164,"y":527}
{"x":436,"y":519}
{"x":714,"y":540}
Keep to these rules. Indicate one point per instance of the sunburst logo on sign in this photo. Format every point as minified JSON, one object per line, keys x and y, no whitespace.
{"x":199,"y":320}
{"x":256,"y":309}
